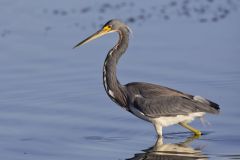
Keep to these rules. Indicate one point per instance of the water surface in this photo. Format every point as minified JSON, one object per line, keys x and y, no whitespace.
{"x":53,"y":104}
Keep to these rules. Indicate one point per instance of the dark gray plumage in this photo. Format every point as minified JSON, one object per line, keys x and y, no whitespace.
{"x":159,"y":105}
{"x":155,"y":101}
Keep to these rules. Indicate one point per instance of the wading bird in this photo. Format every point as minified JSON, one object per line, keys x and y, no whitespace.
{"x":157,"y":104}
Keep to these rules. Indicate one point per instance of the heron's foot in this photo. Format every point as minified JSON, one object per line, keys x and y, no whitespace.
{"x":196,"y":136}
{"x":196,"y":132}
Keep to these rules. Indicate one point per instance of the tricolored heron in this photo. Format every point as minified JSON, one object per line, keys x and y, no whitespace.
{"x":157,"y":104}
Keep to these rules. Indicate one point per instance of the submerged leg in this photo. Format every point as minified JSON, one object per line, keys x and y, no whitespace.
{"x":195,"y":131}
{"x":158,"y":129}
{"x":189,"y":140}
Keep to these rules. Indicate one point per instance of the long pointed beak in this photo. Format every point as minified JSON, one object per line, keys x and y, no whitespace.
{"x":92,"y":37}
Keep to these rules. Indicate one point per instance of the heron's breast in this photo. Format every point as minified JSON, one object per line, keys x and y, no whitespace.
{"x":139,"y":114}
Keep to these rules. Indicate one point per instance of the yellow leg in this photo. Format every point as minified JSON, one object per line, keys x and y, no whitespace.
{"x":195,"y":131}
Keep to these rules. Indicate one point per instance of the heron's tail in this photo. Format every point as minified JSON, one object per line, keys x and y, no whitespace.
{"x":212,"y":106}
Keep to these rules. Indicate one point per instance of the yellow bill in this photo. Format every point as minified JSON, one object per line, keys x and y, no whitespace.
{"x":103,"y":31}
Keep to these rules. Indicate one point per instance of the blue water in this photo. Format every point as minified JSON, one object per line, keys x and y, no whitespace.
{"x":52,"y":101}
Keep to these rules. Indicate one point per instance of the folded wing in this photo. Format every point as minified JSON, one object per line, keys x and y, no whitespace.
{"x":154,"y":101}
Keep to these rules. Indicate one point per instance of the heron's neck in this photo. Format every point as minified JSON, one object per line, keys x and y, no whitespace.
{"x":112,"y":86}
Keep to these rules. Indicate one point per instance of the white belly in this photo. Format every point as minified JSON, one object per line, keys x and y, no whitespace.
{"x":167,"y":120}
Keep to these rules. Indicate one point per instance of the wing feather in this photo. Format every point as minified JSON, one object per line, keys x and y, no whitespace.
{"x":154,"y":101}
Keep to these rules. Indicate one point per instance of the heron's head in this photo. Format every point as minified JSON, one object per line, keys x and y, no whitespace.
{"x":111,"y":26}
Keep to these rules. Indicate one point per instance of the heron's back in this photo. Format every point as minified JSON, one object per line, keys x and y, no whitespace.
{"x":155,"y":100}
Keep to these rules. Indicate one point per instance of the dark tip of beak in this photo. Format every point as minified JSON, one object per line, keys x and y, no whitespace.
{"x":76,"y":45}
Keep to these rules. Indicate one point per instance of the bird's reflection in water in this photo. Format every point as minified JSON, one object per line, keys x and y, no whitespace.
{"x":176,"y":151}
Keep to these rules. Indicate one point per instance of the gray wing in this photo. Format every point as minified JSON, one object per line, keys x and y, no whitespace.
{"x":154,"y":101}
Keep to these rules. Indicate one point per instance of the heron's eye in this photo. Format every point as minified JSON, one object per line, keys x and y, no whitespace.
{"x":107,"y":28}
